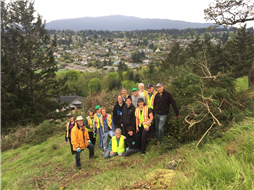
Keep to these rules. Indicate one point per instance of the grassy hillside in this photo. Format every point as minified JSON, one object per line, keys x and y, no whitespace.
{"x":225,"y":163}
{"x":242,"y":83}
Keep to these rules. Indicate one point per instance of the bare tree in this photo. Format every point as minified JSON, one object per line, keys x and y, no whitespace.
{"x":230,"y":12}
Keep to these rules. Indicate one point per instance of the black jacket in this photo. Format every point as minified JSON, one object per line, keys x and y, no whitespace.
{"x":117,"y":114}
{"x":162,"y":103}
{"x":128,"y":118}
{"x":130,"y":139}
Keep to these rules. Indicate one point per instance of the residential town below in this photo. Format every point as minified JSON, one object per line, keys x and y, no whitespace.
{"x":90,"y":53}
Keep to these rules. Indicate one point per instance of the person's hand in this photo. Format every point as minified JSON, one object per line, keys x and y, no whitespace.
{"x":91,"y":126}
{"x":137,"y":129}
{"x":65,"y":140}
{"x":147,"y":128}
{"x":178,"y":116}
{"x":111,"y":152}
{"x":133,"y":143}
{"x":93,"y":131}
{"x":89,"y":142}
{"x":127,"y":148}
{"x":102,"y":136}
{"x":124,"y":138}
{"x":121,"y":125}
{"x":78,"y":149}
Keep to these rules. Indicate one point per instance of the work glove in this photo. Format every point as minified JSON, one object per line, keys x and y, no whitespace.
{"x":65,"y":140}
{"x":178,"y":117}
{"x":127,"y":148}
{"x":78,"y":149}
{"x":89,"y":142}
{"x":133,"y":143}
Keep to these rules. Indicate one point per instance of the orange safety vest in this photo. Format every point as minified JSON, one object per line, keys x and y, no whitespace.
{"x":109,"y":122}
{"x":144,"y":117}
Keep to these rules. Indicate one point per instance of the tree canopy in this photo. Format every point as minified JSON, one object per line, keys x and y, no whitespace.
{"x":230,"y":12}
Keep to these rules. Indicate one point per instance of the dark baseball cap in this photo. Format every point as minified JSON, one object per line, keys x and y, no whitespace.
{"x":141,"y":100}
{"x":149,"y":85}
{"x":69,"y":116}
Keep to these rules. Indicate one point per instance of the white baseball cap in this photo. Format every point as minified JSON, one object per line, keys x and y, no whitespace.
{"x":79,"y":118}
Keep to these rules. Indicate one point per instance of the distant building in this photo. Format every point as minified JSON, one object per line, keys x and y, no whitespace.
{"x":73,"y":102}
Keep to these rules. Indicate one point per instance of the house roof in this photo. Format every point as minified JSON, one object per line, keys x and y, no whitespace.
{"x":71,"y":99}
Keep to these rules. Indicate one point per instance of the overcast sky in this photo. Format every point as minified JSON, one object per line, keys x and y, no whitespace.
{"x":185,"y":10}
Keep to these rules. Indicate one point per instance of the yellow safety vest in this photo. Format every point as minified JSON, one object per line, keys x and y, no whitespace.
{"x":109,"y":122}
{"x":144,"y":117}
{"x":67,"y":128}
{"x":120,"y":147}
{"x":90,"y":123}
{"x":144,"y":93}
{"x":96,"y":120}
{"x":150,"y":101}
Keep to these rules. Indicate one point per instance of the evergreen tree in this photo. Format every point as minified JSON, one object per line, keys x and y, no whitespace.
{"x":131,"y":76}
{"x":28,"y":70}
{"x":244,"y":52}
{"x":137,"y":78}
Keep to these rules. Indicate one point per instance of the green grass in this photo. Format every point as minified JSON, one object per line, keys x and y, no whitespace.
{"x":50,"y":165}
{"x":242,"y":83}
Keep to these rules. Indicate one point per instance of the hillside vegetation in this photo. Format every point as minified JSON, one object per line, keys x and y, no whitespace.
{"x":223,"y":163}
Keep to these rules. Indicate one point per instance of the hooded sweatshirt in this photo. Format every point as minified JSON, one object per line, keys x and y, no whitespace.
{"x":117,"y":114}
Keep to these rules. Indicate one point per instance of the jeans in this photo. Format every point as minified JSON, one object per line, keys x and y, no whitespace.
{"x":105,"y":138}
{"x":107,"y":154}
{"x":91,"y":154}
{"x":101,"y":140}
{"x":159,"y":123}
{"x":152,"y":129}
{"x":131,"y":151}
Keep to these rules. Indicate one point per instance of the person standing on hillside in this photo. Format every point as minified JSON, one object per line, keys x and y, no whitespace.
{"x":128,"y":115}
{"x":142,"y":90}
{"x":89,"y":126}
{"x":135,"y":96}
{"x":96,"y":124}
{"x":80,"y":140}
{"x":144,"y":118}
{"x":162,"y":101}
{"x":124,"y":94}
{"x":69,"y":127}
{"x":117,"y":113}
{"x":106,"y":127}
{"x":151,"y":93}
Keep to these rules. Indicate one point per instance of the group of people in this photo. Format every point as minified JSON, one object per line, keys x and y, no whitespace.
{"x":134,"y":122}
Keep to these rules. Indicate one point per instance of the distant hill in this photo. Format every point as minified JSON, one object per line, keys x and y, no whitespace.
{"x":120,"y":23}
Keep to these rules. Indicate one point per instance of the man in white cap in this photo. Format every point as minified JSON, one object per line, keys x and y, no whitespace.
{"x":80,"y":140}
{"x":162,"y":101}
